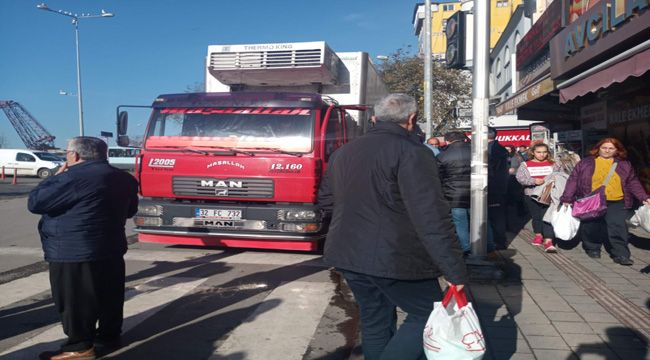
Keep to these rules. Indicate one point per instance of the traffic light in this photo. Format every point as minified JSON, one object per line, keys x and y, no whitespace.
{"x":455,"y":31}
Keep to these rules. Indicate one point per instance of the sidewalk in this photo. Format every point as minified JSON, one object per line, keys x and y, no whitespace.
{"x":566,"y":305}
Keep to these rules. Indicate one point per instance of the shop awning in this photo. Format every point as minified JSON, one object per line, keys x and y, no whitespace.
{"x":534,"y":91}
{"x":635,"y":65}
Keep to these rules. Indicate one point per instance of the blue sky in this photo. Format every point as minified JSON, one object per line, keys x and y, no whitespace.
{"x":156,"y":47}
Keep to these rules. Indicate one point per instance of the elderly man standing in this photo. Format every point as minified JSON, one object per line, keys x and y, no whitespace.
{"x":391,"y":234}
{"x":85,"y":207}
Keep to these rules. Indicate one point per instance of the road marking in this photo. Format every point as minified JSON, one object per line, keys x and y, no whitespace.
{"x":24,"y":288}
{"x":282,"y":326}
{"x":199,"y":256}
{"x":142,"y":301}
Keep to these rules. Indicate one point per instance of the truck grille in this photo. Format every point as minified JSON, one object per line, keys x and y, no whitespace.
{"x":222,"y":188}
{"x":266,"y":59}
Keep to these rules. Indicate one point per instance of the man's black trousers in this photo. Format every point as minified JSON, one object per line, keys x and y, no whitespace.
{"x":86,"y":293}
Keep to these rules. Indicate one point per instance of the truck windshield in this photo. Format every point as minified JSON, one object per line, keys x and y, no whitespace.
{"x":287,"y":129}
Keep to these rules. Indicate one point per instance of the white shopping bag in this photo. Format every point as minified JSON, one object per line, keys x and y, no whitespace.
{"x":453,"y":331}
{"x":642,"y":218}
{"x":565,"y":226}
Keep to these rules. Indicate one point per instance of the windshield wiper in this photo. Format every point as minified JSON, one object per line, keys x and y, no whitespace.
{"x":196,"y":151}
{"x":279,"y":151}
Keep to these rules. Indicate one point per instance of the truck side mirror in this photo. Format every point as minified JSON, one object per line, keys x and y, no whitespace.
{"x":122,"y":123}
{"x":123,"y":140}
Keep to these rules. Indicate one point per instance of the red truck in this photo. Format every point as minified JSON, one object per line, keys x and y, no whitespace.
{"x":241,"y":167}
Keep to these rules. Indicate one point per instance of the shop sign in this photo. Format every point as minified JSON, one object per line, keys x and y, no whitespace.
{"x":594,"y":116}
{"x":525,"y":96}
{"x":535,"y":70}
{"x":599,"y":29}
{"x":640,"y":112}
{"x":537,"y":38}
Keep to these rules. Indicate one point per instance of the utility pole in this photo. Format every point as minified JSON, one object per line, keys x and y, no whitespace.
{"x":480,"y":112}
{"x":428,"y":77}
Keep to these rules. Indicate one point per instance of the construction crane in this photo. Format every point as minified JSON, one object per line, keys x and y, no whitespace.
{"x":31,"y":132}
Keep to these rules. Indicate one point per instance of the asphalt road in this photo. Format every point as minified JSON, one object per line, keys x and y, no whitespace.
{"x":22,"y":188}
{"x":183,"y":302}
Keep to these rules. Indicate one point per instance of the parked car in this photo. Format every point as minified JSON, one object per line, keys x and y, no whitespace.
{"x":122,"y":157}
{"x":29,"y":162}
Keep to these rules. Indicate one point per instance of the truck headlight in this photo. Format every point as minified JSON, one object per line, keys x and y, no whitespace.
{"x":290,"y":215}
{"x":150,"y":210}
{"x":147,"y":221}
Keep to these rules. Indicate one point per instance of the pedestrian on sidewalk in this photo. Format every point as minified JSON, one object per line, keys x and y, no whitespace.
{"x":84,"y":208}
{"x":533,"y":175}
{"x":515,"y":207}
{"x":391,"y":234}
{"x":564,"y":163}
{"x":433,"y":143}
{"x":620,"y":192}
{"x":498,"y":164}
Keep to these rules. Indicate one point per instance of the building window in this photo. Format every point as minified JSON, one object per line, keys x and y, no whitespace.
{"x":501,"y":3}
{"x":506,"y":57}
{"x":444,"y":26}
{"x":498,"y":69}
{"x":517,"y":38}
{"x":449,"y":7}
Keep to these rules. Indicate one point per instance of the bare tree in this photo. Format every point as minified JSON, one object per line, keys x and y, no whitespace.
{"x":403,"y":72}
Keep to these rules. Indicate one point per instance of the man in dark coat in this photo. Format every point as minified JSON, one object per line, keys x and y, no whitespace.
{"x":455,"y":174}
{"x":85,"y":207}
{"x":498,"y":164}
{"x":391,"y":235}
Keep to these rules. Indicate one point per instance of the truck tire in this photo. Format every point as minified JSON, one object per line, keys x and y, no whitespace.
{"x":44,"y":173}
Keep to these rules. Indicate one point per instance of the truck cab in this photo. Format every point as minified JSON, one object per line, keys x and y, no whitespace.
{"x":241,"y":167}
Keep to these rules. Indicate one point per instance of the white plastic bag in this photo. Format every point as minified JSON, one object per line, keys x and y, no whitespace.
{"x":642,"y":218}
{"x":565,"y":226}
{"x":453,"y":331}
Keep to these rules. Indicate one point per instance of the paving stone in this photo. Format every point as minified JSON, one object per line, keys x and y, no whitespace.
{"x":556,"y":315}
{"x":546,"y":342}
{"x":596,"y":353}
{"x":579,"y":299}
{"x":629,"y":354}
{"x":573,"y":327}
{"x":571,"y":291}
{"x":538,"y":329}
{"x":530,"y":317}
{"x":509,"y":345}
{"x":575,"y":340}
{"x":603,"y":317}
{"x":495,"y":332}
{"x":624,"y":342}
{"x":611,"y":328}
{"x":515,"y":356}
{"x":545,"y":354}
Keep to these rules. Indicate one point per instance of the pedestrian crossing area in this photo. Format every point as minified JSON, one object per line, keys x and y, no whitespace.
{"x":189,"y":304}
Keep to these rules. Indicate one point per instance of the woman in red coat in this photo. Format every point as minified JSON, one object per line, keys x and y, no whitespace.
{"x":623,"y":187}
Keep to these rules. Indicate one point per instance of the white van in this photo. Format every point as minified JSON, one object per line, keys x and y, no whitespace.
{"x":122,"y":157}
{"x":29,"y":162}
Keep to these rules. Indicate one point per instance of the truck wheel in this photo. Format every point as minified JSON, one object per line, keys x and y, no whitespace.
{"x":44,"y":173}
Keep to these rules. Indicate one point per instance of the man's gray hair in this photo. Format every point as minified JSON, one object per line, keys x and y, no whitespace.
{"x":89,"y":148}
{"x":395,"y":108}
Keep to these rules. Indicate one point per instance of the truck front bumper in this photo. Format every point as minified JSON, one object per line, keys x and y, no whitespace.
{"x":214,"y":222}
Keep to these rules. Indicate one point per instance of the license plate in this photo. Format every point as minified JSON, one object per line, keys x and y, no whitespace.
{"x":220,"y":214}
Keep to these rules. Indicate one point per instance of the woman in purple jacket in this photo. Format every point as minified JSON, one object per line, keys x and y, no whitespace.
{"x":624,"y":186}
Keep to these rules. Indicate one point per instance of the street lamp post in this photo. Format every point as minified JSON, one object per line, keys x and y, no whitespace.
{"x":75,"y":22}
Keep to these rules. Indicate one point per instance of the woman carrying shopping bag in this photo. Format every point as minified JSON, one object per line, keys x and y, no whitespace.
{"x":621,"y":187}
{"x":565,"y":162}
{"x":534,"y":176}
